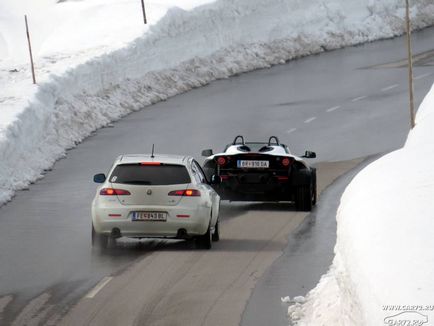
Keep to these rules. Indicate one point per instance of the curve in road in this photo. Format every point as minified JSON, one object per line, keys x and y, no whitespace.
{"x":343,"y":104}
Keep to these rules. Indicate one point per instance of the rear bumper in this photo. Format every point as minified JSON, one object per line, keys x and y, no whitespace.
{"x":273,"y":190}
{"x":106,"y":219}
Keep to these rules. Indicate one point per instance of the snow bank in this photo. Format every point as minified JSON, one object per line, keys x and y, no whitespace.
{"x":384,"y":253}
{"x":80,"y":92}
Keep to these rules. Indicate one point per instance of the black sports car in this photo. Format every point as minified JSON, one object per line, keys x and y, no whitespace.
{"x":250,"y":171}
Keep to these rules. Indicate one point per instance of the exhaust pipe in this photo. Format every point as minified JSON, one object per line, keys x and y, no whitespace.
{"x":116,"y":233}
{"x":182,"y":234}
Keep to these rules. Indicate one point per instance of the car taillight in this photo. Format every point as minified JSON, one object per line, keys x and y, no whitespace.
{"x":114,"y":192}
{"x":186,"y":193}
{"x":286,"y":161}
{"x":221,"y":161}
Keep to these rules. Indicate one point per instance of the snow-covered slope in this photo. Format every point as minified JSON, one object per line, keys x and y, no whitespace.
{"x":384,"y":253}
{"x":80,"y":91}
{"x":79,"y":28}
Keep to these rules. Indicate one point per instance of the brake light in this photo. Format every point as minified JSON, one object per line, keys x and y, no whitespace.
{"x":286,"y":161}
{"x":114,"y":192}
{"x":150,"y":163}
{"x":185,"y":193}
{"x":221,"y":161}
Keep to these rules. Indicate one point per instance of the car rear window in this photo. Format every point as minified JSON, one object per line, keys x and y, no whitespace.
{"x":158,"y":175}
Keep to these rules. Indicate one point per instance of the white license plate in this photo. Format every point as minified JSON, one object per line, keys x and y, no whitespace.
{"x":253,"y":164}
{"x":149,"y":216}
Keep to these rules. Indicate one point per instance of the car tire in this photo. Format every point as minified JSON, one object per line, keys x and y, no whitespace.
{"x":100,"y":241}
{"x":315,"y":191}
{"x":304,"y":198}
{"x":205,"y":241}
{"x":216,"y":234}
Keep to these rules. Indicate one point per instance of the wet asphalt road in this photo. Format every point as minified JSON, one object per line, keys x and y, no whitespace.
{"x":343,"y":105}
{"x":306,"y":258}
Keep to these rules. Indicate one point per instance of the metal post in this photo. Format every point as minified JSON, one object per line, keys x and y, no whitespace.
{"x":410,"y":65}
{"x":30,"y":50}
{"x":144,"y":12}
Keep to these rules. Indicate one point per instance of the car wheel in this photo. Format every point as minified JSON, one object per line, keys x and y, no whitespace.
{"x":315,"y":193}
{"x":216,"y":234}
{"x":205,"y":241}
{"x":304,"y":198}
{"x":99,"y":240}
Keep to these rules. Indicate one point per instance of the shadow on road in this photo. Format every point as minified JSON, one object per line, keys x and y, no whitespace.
{"x":230,"y":210}
{"x":137,"y":248}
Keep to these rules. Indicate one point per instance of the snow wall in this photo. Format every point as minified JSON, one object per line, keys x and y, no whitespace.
{"x":185,"y":49}
{"x":384,"y":258}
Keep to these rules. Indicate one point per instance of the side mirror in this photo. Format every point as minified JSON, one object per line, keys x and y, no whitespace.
{"x":309,"y":154}
{"x":99,"y":178}
{"x":215,"y":180}
{"x":207,"y":152}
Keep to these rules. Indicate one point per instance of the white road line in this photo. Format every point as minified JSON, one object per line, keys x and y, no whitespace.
{"x":291,"y":130}
{"x":333,"y":108}
{"x":92,"y":293}
{"x":358,"y":98}
{"x":388,"y":88}
{"x":421,"y":76}
{"x":309,"y":120}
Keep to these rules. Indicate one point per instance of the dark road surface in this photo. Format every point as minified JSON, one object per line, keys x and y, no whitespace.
{"x":345,"y":104}
{"x":307,"y":257}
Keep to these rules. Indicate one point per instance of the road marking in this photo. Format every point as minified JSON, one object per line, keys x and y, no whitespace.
{"x":92,"y":293}
{"x":388,"y":88}
{"x":421,"y":76}
{"x":359,"y":98}
{"x":309,"y":120}
{"x":291,"y":130}
{"x":333,"y":108}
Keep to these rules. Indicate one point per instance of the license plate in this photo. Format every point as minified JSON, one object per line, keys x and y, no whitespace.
{"x":149,"y":216}
{"x":253,"y":164}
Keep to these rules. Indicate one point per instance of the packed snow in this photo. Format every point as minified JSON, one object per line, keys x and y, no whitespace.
{"x":96,"y":61}
{"x":384,"y":258}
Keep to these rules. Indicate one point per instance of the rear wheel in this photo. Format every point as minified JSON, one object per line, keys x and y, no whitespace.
{"x":205,"y":241}
{"x":216,"y":234}
{"x":314,"y":190}
{"x":99,"y":240}
{"x":304,"y":198}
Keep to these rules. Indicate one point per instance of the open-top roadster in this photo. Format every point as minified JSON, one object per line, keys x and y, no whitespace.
{"x":255,"y":171}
